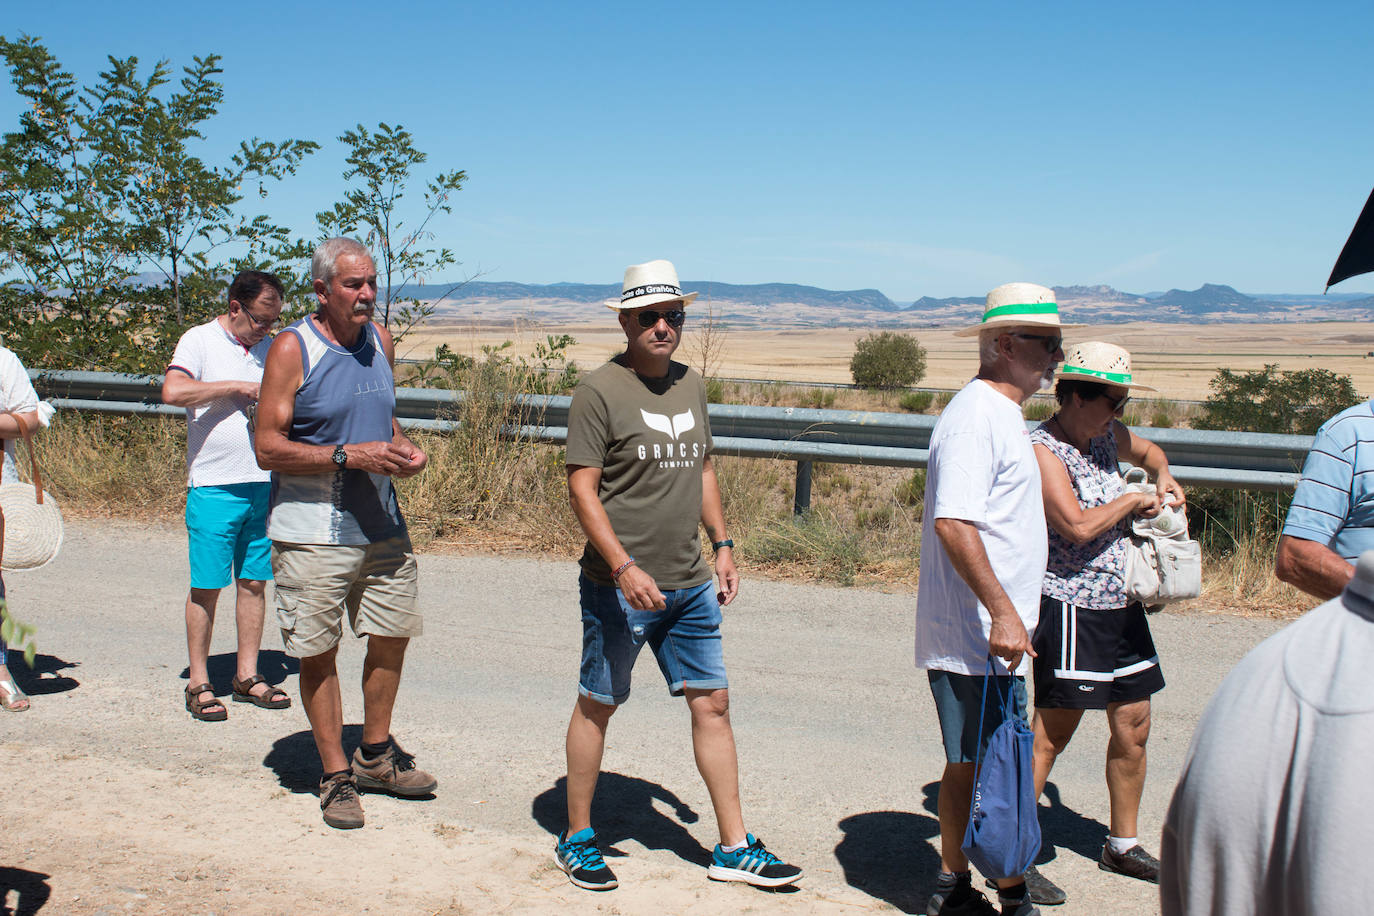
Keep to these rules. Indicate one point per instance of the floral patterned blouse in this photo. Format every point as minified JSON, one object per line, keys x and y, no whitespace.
{"x":1090,"y":575}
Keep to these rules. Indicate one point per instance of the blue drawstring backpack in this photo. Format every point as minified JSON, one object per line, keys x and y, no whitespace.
{"x":1003,"y":835}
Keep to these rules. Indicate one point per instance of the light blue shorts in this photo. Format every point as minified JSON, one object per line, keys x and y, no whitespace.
{"x":685,"y":638}
{"x":226,"y":534}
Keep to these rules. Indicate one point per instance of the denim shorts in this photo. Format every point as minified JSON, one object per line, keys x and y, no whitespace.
{"x":957,"y":698}
{"x":685,"y":638}
{"x":226,"y":534}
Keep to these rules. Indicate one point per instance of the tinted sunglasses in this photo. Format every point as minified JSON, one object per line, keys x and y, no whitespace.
{"x":647,"y":318}
{"x":1048,"y":341}
{"x":1117,"y":403}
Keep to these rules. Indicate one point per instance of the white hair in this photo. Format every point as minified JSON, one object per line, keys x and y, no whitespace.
{"x":327,"y":255}
{"x":988,"y":351}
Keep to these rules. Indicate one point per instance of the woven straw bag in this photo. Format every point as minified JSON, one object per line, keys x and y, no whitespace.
{"x":30,"y":522}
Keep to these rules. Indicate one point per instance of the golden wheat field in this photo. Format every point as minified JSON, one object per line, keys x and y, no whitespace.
{"x":1177,"y":359}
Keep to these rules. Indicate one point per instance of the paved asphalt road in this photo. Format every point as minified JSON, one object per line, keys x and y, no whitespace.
{"x":838,"y":740}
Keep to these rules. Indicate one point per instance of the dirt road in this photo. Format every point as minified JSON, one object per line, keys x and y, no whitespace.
{"x":115,"y":801}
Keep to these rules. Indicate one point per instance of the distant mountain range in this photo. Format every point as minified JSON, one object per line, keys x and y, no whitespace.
{"x":758,"y":294}
{"x":792,"y":303}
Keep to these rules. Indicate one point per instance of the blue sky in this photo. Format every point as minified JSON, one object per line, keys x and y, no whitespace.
{"x":922,"y":149}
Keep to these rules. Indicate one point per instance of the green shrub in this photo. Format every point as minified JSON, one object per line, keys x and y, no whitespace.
{"x":887,"y":360}
{"x":1039,"y":408}
{"x":1270,"y":401}
{"x":916,"y":401}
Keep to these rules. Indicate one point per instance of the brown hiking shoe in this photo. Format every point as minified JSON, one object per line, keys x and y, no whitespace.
{"x":1133,"y":863}
{"x":394,"y":771}
{"x":339,"y":801}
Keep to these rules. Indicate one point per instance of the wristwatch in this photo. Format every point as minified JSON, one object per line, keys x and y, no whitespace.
{"x":717,"y":545}
{"x":340,"y":457}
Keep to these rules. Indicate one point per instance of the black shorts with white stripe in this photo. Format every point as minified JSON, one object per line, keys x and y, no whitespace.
{"x":1087,"y":658}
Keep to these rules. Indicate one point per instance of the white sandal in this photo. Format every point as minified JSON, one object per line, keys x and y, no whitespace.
{"x":13,"y":696}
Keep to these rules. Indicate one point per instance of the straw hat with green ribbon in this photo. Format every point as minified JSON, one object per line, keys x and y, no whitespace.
{"x":1104,"y":363}
{"x":1026,"y":305}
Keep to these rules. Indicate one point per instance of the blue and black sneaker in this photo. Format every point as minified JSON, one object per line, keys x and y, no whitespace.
{"x":752,"y":864}
{"x":579,"y":856}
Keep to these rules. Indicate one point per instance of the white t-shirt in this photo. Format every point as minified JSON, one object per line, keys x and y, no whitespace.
{"x":16,"y":393}
{"x":982,"y":470}
{"x":1271,"y":815}
{"x":219,"y":450}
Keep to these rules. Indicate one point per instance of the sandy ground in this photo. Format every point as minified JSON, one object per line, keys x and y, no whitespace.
{"x":1177,"y":359}
{"x":116,"y":802}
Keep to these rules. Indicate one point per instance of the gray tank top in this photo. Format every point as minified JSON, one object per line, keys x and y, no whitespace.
{"x":346,"y":396}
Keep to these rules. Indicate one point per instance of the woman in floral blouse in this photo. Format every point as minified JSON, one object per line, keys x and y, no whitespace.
{"x":1094,"y":649}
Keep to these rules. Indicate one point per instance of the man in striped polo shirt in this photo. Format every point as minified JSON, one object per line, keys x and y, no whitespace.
{"x":1331,"y":521}
{"x":327,"y":431}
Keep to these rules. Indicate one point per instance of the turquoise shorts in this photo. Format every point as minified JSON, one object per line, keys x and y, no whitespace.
{"x":226,"y":528}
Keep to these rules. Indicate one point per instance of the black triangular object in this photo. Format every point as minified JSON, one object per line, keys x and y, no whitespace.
{"x":1357,"y":257}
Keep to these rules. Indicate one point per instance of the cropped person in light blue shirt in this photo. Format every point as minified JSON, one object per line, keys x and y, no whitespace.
{"x":1331,"y":521}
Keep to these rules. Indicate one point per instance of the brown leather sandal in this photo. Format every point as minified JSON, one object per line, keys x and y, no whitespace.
{"x":272,"y":698}
{"x":197,"y":709}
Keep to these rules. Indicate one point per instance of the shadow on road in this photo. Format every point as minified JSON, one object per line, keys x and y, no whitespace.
{"x":624,"y":809}
{"x":43,"y":678}
{"x":273,"y":664}
{"x":30,"y":887}
{"x":1061,"y":827}
{"x":297,"y":763}
{"x":887,"y":854}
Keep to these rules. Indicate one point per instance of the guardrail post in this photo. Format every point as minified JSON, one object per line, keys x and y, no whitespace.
{"x":802,"y":501}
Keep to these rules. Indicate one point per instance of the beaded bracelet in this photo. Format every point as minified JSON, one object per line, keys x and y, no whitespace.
{"x":615,"y":576}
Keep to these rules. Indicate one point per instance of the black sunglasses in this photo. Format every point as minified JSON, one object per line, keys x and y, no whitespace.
{"x":1117,"y":403}
{"x":647,"y":318}
{"x":1050,"y":343}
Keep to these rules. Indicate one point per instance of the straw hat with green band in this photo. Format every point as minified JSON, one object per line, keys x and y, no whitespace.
{"x":1025,"y":305}
{"x":1104,"y":363}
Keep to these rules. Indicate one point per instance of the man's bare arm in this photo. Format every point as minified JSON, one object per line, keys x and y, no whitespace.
{"x":180,"y":390}
{"x":713,"y":520}
{"x":1009,"y":639}
{"x":1312,"y":567}
{"x":639,"y":588}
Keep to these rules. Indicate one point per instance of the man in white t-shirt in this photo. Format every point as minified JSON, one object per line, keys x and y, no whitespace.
{"x":215,"y":374}
{"x":983,"y":554}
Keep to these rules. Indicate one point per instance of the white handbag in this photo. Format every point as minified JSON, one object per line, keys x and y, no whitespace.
{"x":1163,"y":564}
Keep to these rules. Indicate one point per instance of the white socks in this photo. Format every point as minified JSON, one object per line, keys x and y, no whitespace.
{"x":1122,"y":844}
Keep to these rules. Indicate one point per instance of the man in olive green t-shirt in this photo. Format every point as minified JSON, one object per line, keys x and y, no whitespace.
{"x":641,"y":482}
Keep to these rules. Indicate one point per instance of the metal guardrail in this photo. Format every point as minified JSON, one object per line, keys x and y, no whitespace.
{"x":1235,"y":460}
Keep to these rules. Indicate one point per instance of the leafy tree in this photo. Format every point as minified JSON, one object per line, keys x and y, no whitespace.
{"x":381,"y":164}
{"x":100,"y":182}
{"x":1270,"y":401}
{"x":887,"y":360}
{"x":183,"y":208}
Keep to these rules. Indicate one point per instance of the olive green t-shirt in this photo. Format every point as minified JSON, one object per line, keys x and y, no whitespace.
{"x":649,"y":437}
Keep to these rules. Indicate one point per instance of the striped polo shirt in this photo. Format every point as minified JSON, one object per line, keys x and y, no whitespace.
{"x":1334,"y":502}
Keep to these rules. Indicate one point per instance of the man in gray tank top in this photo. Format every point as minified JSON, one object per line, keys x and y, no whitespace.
{"x":327,"y":432}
